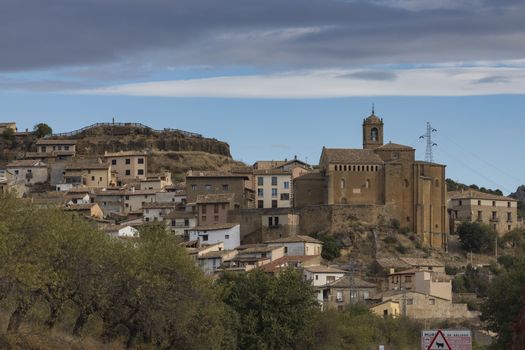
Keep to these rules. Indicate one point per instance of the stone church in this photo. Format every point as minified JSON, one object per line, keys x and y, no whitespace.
{"x":379,"y":181}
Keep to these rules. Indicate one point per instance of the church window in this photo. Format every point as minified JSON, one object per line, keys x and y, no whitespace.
{"x":359,"y":168}
{"x":367,"y":168}
{"x":437,"y":183}
{"x":406,"y":183}
{"x":345,"y":168}
{"x":353,"y":168}
{"x":344,"y":201}
{"x":343,"y":184}
{"x":374,"y":134}
{"x":408,"y":218}
{"x":367,"y":183}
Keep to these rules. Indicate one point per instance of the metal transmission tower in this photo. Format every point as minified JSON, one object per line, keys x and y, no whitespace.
{"x":429,"y":157}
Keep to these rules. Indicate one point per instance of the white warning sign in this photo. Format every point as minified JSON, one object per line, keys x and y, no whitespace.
{"x":446,"y":340}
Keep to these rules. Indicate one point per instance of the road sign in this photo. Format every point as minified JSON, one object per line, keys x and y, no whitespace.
{"x":381,"y":347}
{"x":446,"y":340}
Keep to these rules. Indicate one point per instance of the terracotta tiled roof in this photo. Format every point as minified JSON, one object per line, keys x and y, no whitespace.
{"x":214,"y":174}
{"x":272,"y":172}
{"x":349,"y":282}
{"x":125,"y":154}
{"x":296,"y":239}
{"x":349,"y":155}
{"x":44,"y":142}
{"x":472,"y":194}
{"x":215,"y":198}
{"x":25,"y":163}
{"x":394,"y":146}
{"x":323,"y":269}
{"x":213,"y":227}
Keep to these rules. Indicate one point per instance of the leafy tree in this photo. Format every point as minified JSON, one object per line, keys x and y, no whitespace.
{"x":514,"y":238}
{"x":273,"y":312}
{"x":42,"y":129}
{"x":476,"y":237}
{"x":505,"y":300}
{"x":331,"y":247}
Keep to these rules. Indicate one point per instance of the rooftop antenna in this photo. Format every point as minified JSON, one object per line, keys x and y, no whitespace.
{"x":429,"y":157}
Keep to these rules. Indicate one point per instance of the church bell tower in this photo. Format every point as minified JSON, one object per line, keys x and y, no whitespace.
{"x":372,"y":131}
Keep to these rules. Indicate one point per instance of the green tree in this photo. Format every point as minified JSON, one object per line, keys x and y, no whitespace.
{"x":42,"y":129}
{"x":476,"y":237}
{"x":273,"y":312}
{"x":504,"y":302}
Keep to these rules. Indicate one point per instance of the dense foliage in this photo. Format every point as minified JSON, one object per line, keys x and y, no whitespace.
{"x":62,"y":276}
{"x":477,"y":237}
{"x":457,"y":186}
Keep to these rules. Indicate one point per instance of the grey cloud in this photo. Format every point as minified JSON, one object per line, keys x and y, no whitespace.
{"x":53,"y":34}
{"x":492,"y":79}
{"x":371,"y":75}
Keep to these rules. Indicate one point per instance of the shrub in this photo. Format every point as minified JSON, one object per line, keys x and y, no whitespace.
{"x":390,"y":240}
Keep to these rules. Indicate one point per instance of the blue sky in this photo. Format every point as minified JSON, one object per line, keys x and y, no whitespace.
{"x":279,"y":78}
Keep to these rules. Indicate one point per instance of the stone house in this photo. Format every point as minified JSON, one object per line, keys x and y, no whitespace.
{"x":378,"y":181}
{"x":386,"y":308}
{"x":211,"y":262}
{"x":180,"y":222}
{"x":128,"y":165}
{"x":213,"y":208}
{"x":202,"y":183}
{"x":426,"y":282}
{"x":56,"y":148}
{"x":91,"y":210}
{"x":157,"y":211}
{"x":499,"y":212}
{"x":8,"y":125}
{"x":256,"y":252}
{"x":228,"y":233}
{"x":89,"y":174}
{"x":27,"y":172}
{"x":423,"y":306}
{"x":345,"y":291}
{"x":298,"y":245}
{"x":322,"y":275}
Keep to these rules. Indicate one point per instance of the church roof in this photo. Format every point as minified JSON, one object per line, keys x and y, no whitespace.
{"x":373,"y":119}
{"x":472,"y":194}
{"x":349,"y":155}
{"x":394,"y":146}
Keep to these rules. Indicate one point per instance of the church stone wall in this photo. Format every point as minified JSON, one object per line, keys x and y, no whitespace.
{"x":357,"y":187}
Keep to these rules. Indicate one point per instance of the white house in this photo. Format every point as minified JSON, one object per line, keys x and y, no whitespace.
{"x":122,"y":231}
{"x":157,"y":211}
{"x":274,"y":188}
{"x":298,"y":245}
{"x":27,"y":171}
{"x":321,"y":275}
{"x":180,"y":222}
{"x":229,"y":234}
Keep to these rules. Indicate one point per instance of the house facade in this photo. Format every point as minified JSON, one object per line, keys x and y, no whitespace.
{"x":499,"y":212}
{"x":228,"y":233}
{"x":298,"y":245}
{"x":128,"y":165}
{"x":27,"y":172}
{"x":89,"y":174}
{"x":273,"y":188}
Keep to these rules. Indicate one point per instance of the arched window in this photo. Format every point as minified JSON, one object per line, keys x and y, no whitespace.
{"x":367,"y":183}
{"x":406,"y":183}
{"x":343,"y":184}
{"x":437,"y":183}
{"x":374,"y":134}
{"x":343,"y":200}
{"x":344,"y":168}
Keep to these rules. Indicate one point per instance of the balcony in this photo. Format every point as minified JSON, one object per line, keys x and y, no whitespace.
{"x":494,"y":219}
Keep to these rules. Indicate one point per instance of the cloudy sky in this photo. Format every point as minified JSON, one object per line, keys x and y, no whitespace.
{"x":276,"y":78}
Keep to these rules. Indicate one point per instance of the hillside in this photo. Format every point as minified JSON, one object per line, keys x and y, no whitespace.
{"x":172,"y":149}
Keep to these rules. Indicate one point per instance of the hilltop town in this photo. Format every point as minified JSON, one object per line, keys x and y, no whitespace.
{"x":371,"y":226}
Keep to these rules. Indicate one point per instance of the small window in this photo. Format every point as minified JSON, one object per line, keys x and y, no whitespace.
{"x":207,"y":187}
{"x":437,"y":183}
{"x":274,"y":192}
{"x":285,"y":196}
{"x":276,"y":221}
{"x":260,"y":204}
{"x":410,"y":301}
{"x":479,"y":203}
{"x":432,"y":301}
{"x":92,"y":178}
{"x":508,"y":205}
{"x":216,"y":218}
{"x":260,"y":192}
{"x":186,"y":222}
{"x":316,"y":277}
{"x":274,"y":180}
{"x":66,"y":148}
{"x":225,"y":188}
{"x":193,"y":187}
{"x":493,"y":203}
{"x":260,"y":181}
{"x":286,"y":186}
{"x":205,"y":237}
{"x":128,"y":161}
{"x":226,"y":236}
{"x":140,"y":161}
{"x":343,"y":184}
{"x":460,"y":202}
{"x":270,"y":221}
{"x":113,"y":162}
{"x":215,"y":208}
{"x":128,"y":172}
{"x":274,"y":203}
{"x":140,"y":172}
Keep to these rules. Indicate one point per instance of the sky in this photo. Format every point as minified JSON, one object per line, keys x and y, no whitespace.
{"x":279,"y":78}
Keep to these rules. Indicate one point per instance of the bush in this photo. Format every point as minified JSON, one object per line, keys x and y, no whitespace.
{"x":395,"y":224}
{"x":404,"y":231}
{"x":401,"y":249}
{"x":451,"y":270}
